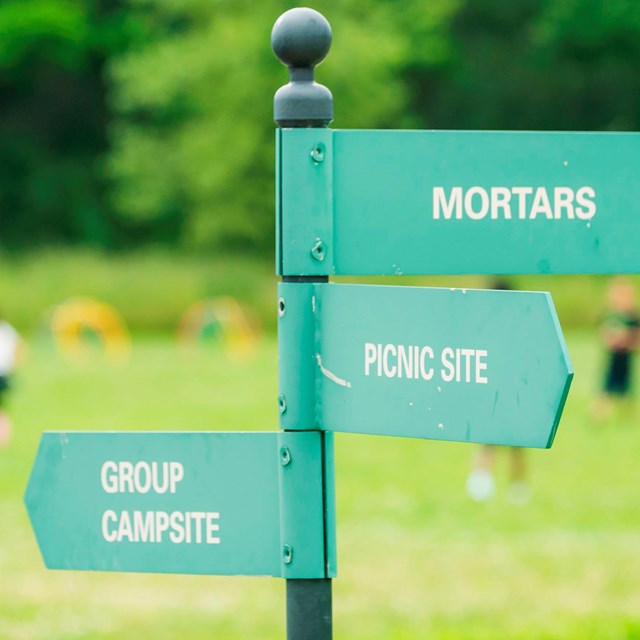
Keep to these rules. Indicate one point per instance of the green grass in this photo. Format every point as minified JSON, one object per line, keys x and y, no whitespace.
{"x":150,"y":289}
{"x":417,"y":559}
{"x":153,"y":288}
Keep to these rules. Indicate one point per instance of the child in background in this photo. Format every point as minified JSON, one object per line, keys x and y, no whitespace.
{"x":480,"y":483}
{"x":9,"y":346}
{"x":621,"y":334}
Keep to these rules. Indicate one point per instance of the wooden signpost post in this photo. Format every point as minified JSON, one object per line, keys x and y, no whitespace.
{"x":462,"y":365}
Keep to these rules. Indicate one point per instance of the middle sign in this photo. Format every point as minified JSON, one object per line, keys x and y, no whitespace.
{"x":445,"y":364}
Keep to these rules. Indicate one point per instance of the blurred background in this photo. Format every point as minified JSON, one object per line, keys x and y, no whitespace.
{"x":137,"y":265}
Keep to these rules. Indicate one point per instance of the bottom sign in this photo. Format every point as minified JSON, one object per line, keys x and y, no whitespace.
{"x":197,"y":503}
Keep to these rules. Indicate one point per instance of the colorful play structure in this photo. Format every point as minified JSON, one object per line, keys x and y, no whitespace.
{"x":84,"y":328}
{"x":219,"y":321}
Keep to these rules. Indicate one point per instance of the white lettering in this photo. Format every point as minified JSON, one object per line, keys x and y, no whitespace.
{"x":427,"y":374}
{"x":522,"y":193}
{"x":211,"y":527}
{"x":405,"y":361}
{"x":141,"y":477}
{"x":162,"y":524}
{"x":140,"y":485}
{"x":106,"y":534}
{"x":587,"y":208}
{"x":390,"y":372}
{"x":484,"y":203}
{"x":563,"y":199}
{"x":109,"y":481}
{"x":440,"y":202}
{"x":124,"y":528}
{"x":125,"y":470}
{"x":447,"y":355}
{"x":499,"y":202}
{"x":541,"y":204}
{"x":177,"y":533}
{"x":176,"y":474}
{"x":481,"y":366}
{"x":500,"y":199}
{"x":413,"y":362}
{"x":149,"y":526}
{"x":369,"y":356}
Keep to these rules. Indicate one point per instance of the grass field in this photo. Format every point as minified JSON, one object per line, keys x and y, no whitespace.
{"x":417,"y":559}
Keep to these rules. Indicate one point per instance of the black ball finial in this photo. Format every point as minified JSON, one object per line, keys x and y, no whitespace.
{"x":301,"y":39}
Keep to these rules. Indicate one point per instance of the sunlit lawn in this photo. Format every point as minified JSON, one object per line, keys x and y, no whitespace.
{"x":417,"y":559}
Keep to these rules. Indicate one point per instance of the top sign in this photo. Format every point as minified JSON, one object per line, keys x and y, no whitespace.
{"x":435,"y":202}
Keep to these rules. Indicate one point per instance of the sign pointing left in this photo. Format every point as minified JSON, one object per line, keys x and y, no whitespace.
{"x":198,"y":503}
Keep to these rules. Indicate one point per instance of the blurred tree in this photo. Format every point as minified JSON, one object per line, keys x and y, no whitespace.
{"x":175,"y":142}
{"x":534,"y":64}
{"x":195,"y":138}
{"x":53,"y":118}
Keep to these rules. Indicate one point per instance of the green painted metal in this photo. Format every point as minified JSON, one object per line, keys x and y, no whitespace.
{"x":296,"y":358}
{"x":460,"y":365}
{"x":380,"y":202}
{"x":302,"y":504}
{"x":306,"y":196}
{"x":218,"y":503}
{"x":331,"y":544}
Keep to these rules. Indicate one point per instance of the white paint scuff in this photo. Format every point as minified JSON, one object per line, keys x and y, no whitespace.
{"x":332,"y":376}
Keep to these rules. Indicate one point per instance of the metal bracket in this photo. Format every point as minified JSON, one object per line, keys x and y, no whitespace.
{"x":304,"y":202}
{"x":307,"y":505}
{"x":298,"y":371}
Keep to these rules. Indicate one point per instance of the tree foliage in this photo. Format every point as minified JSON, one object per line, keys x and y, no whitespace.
{"x":53,"y":118}
{"x":533,"y":64}
{"x":128,"y":121}
{"x":195,"y":137}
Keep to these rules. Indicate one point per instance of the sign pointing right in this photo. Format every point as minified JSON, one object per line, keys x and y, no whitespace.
{"x":444,"y":364}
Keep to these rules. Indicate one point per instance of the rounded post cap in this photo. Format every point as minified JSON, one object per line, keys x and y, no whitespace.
{"x":301,"y":38}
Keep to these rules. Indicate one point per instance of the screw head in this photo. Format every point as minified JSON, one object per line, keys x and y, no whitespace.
{"x":282,"y":404}
{"x":317,"y":153}
{"x":287,"y":554}
{"x":285,"y":456}
{"x":318,"y":250}
{"x":281,"y":307}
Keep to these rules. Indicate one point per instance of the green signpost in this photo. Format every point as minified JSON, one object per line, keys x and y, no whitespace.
{"x":197,"y":503}
{"x":463,"y":365}
{"x":443,"y":364}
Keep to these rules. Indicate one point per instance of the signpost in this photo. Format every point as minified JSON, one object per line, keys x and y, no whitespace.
{"x":196,"y":503}
{"x":444,"y":364}
{"x":474,"y":366}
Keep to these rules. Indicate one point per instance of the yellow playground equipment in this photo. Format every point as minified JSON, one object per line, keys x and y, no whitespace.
{"x":219,"y":321}
{"x":82,"y":327}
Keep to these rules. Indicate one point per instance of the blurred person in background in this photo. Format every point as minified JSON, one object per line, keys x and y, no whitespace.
{"x":480,"y":483}
{"x":620,"y":333}
{"x":9,"y":350}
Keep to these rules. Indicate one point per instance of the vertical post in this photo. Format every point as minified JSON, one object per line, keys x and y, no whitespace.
{"x":301,"y":38}
{"x":309,"y":611}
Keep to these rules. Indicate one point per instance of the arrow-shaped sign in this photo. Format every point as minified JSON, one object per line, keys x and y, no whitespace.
{"x":207,"y":503}
{"x":445,"y":364}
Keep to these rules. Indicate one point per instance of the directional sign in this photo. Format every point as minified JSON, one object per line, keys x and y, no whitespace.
{"x":444,"y":364}
{"x":421,"y":202}
{"x":205,"y":503}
